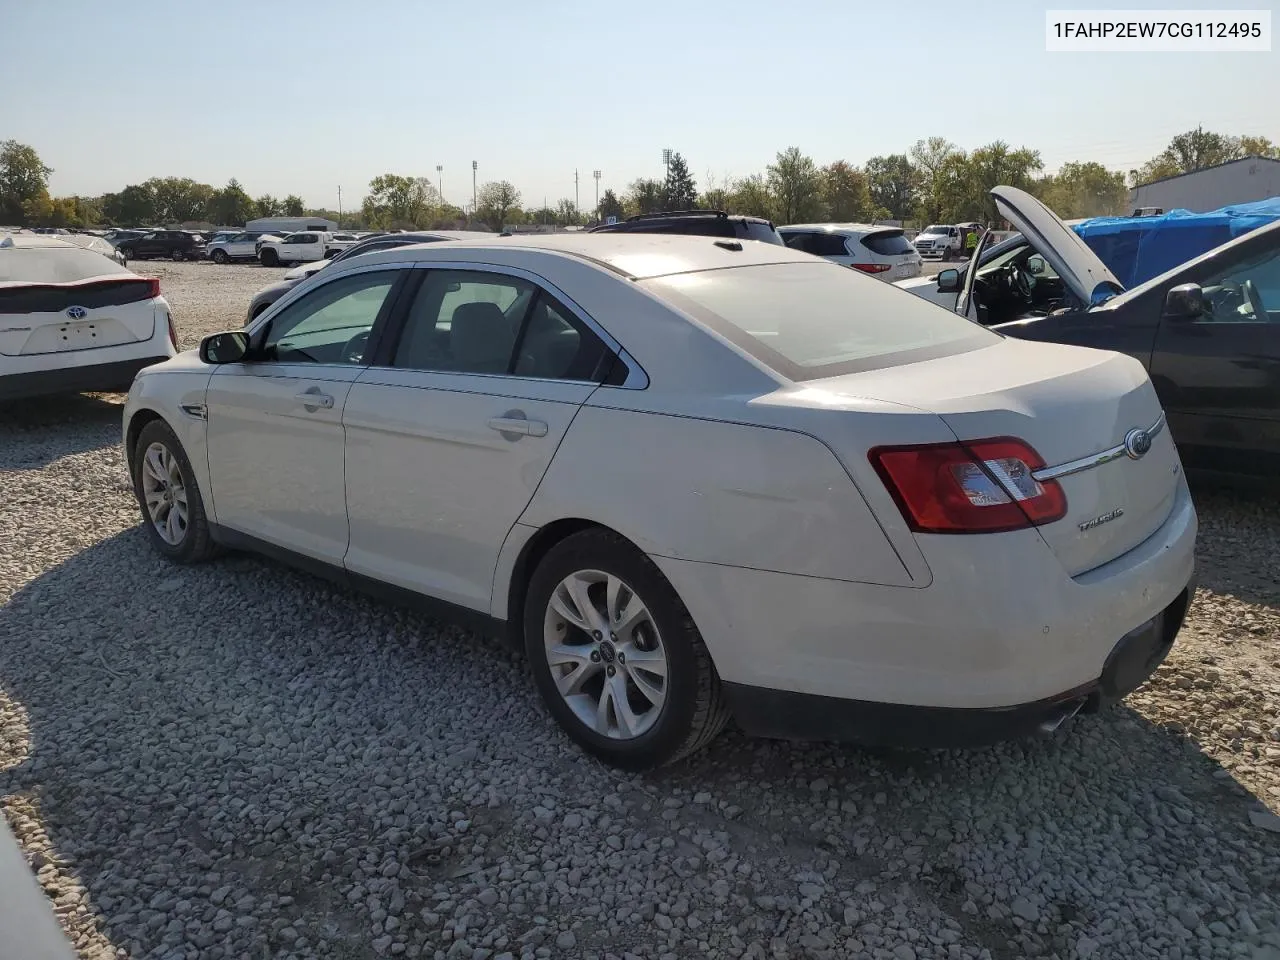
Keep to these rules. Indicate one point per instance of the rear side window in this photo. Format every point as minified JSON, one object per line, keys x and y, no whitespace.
{"x":890,"y":244}
{"x":816,"y":319}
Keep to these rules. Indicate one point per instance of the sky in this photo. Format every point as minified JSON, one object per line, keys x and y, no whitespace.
{"x":308,"y":97}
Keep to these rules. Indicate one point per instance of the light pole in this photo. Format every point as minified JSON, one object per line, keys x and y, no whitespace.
{"x":440,"y":181}
{"x":576,"y":207}
{"x":339,"y":206}
{"x":474,"y":205}
{"x":666,"y":159}
{"x":596,"y":174}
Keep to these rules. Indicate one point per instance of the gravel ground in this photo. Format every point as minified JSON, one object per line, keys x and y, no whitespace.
{"x":239,"y":761}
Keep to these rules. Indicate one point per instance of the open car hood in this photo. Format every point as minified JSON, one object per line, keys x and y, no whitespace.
{"x":1079,"y":267}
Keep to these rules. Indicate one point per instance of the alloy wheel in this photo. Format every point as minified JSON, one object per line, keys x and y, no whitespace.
{"x":606,"y":655}
{"x":165,"y":494}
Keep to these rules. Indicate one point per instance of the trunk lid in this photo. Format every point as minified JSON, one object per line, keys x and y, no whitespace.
{"x":61,"y":317}
{"x":1079,"y":267}
{"x":1068,"y":403}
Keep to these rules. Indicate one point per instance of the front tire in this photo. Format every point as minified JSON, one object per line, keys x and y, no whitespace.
{"x":616,"y":656}
{"x":169,"y":497}
{"x":269,"y":258}
{"x":219,"y":256}
{"x":177,"y":256}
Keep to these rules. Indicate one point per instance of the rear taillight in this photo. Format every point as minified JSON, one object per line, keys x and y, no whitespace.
{"x":870,"y":267}
{"x":979,"y":486}
{"x":153,"y":288}
{"x":173,"y":331}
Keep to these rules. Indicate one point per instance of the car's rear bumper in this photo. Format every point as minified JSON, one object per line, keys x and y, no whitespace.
{"x":789,"y":715}
{"x":103,"y":377}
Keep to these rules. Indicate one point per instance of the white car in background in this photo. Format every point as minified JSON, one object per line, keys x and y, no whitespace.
{"x":73,"y":319}
{"x":303,"y":247}
{"x":883,"y":252}
{"x":693,"y":478}
{"x":238,"y":246}
{"x":339,"y":242}
{"x":942,"y":241}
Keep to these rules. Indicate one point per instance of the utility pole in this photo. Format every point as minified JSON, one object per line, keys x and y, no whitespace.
{"x":474,"y":205}
{"x":576,"y":208}
{"x":440,"y":181}
{"x":339,"y":206}
{"x":596,"y":174}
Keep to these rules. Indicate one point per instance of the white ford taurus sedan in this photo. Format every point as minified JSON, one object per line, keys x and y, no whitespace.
{"x":693,"y":479}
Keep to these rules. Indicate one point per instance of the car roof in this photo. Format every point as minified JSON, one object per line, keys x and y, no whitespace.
{"x":636,"y":256}
{"x":23,"y":240}
{"x":848,"y":228}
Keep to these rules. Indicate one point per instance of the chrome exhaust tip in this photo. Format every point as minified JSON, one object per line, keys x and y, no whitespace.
{"x":1052,"y":724}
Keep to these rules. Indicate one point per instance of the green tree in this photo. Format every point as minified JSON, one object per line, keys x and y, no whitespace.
{"x":994,"y":165}
{"x":495,"y":201}
{"x":399,"y":201}
{"x":610,"y":206}
{"x":1258,"y":147}
{"x":1191,"y":151}
{"x":294,"y":207}
{"x":795,"y":186}
{"x":39,"y":210}
{"x":927,"y":159}
{"x":644,"y":196}
{"x":134,"y":206}
{"x":845,"y":195}
{"x":179,"y":199}
{"x":268,"y":206}
{"x":679,"y":192}
{"x":1084,"y":190}
{"x":568,"y":214}
{"x":892,"y":183}
{"x":750,"y":197}
{"x":24,"y":179}
{"x":231,"y":206}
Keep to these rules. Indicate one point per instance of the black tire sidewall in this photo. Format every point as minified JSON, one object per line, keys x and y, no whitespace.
{"x":592,"y":551}
{"x":157,"y":431}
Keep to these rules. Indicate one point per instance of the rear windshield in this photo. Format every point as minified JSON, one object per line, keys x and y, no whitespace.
{"x":762,"y":231}
{"x":55,"y":265}
{"x":808,"y":320}
{"x":888,"y":244}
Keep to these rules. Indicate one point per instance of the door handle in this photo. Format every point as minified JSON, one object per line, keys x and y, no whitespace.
{"x":314,"y":398}
{"x":520,"y":426}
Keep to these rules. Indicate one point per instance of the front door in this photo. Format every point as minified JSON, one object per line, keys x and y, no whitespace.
{"x":1219,"y":374}
{"x":275,"y":438}
{"x":448,"y":442}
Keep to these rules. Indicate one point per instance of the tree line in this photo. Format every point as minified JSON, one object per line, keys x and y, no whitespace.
{"x":933,"y":181}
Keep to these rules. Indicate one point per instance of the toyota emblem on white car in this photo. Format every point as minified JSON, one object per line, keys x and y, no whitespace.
{"x":1137,"y":443}
{"x":77,"y":313}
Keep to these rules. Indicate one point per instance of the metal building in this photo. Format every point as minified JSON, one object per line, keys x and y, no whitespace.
{"x":290,"y":224}
{"x":1238,"y":181}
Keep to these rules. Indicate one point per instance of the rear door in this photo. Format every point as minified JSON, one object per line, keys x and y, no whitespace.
{"x":449,"y":434}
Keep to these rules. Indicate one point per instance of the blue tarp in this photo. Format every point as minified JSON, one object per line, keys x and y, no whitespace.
{"x":1136,"y":249}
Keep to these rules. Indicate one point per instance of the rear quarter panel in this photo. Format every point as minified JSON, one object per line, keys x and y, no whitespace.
{"x":716,"y":492}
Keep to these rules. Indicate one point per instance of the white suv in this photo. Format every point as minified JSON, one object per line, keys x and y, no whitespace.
{"x":883,"y":252}
{"x":238,"y":246}
{"x":295,"y":248}
{"x":72,"y":319}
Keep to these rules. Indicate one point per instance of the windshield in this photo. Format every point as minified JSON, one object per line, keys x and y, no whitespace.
{"x":935,"y":229}
{"x":55,"y":265}
{"x":808,"y":320}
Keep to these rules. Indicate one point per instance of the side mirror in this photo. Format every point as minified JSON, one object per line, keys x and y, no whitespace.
{"x":1184,"y":302}
{"x":228,"y":347}
{"x":949,"y":281}
{"x":1036,"y":265}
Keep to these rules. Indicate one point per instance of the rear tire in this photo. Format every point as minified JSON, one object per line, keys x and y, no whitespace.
{"x":169,"y":497}
{"x":177,"y":256}
{"x":219,"y":256}
{"x":654,"y":723}
{"x":269,"y":258}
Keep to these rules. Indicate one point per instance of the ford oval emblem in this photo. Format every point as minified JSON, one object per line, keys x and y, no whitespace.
{"x":77,"y":313}
{"x":1137,"y":443}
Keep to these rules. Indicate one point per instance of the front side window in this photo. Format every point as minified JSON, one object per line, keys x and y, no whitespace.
{"x":1248,"y":291}
{"x":332,"y":323}
{"x":816,"y":319}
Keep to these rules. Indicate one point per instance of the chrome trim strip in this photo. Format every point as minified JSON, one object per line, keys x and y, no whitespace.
{"x":1093,"y":460}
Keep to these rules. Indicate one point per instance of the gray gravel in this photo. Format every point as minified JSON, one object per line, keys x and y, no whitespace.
{"x":239,"y":761}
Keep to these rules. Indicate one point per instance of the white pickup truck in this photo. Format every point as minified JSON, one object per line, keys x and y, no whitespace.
{"x":940,"y":240}
{"x":295,"y":248}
